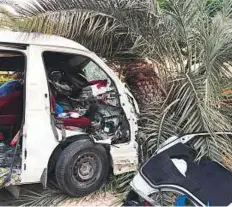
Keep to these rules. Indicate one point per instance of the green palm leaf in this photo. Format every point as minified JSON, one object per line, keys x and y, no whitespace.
{"x":106,"y":27}
{"x":200,"y":56}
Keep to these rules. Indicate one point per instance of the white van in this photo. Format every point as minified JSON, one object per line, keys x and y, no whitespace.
{"x":71,"y":117}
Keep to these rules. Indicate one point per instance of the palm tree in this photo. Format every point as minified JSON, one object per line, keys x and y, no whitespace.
{"x":115,"y":23}
{"x":191,"y":47}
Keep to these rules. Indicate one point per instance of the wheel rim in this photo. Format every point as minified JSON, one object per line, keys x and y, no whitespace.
{"x":85,"y":169}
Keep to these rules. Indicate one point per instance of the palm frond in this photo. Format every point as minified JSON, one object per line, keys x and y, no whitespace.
{"x":114,"y":191}
{"x":106,"y":27}
{"x":201,"y":55}
{"x":8,"y":20}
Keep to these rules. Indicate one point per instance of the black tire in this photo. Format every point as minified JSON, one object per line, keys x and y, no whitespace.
{"x":82,"y":168}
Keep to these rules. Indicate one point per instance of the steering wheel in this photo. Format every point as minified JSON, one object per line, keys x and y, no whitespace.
{"x":55,"y":79}
{"x":56,"y":76}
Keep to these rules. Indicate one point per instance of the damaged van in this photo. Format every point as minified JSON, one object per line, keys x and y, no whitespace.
{"x":64,"y":113}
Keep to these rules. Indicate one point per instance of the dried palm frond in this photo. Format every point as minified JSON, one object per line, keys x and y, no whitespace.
{"x":114,"y":190}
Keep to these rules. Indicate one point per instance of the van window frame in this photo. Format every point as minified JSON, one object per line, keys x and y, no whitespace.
{"x":74,"y":51}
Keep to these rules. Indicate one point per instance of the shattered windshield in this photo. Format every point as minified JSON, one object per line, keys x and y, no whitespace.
{"x":94,"y":72}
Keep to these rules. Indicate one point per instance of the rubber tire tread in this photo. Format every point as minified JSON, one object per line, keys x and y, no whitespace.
{"x":63,"y":174}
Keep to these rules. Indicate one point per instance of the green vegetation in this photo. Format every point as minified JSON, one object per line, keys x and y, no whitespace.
{"x":213,"y":6}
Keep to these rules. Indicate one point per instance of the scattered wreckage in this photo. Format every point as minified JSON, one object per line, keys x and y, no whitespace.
{"x":175,"y":172}
{"x":70,"y":117}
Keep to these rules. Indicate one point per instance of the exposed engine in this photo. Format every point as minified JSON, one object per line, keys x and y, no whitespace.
{"x":97,"y":100}
{"x":109,"y":122}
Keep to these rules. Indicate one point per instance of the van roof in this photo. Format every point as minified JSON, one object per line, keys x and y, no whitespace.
{"x":38,"y":39}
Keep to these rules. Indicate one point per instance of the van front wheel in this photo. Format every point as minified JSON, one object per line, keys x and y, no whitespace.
{"x":82,"y":168}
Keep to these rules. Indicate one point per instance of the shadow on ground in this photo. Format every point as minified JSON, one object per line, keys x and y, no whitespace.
{"x":6,"y":199}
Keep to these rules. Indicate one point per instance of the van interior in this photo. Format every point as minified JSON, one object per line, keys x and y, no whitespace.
{"x":12,"y":67}
{"x":84,"y":98}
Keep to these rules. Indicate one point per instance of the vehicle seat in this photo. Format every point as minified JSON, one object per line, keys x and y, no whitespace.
{"x":81,"y":122}
{"x":205,"y":181}
{"x":11,"y":108}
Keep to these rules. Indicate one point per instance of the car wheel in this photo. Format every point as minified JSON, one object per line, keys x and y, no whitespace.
{"x":82,"y":168}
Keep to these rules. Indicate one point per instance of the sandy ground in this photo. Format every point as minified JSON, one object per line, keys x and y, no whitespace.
{"x":99,"y":199}
{"x":102,"y":199}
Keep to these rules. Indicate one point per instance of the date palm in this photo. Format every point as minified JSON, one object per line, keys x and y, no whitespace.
{"x":191,"y":47}
{"x":115,"y":23}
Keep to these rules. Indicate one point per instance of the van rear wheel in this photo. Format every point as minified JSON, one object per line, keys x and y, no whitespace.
{"x":82,"y":168}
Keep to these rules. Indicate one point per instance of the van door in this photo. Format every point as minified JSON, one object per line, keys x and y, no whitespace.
{"x":13,"y":70}
{"x":40,"y":140}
